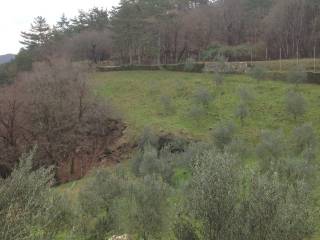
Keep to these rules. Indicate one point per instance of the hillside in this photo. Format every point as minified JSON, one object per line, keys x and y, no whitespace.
{"x":6,"y":58}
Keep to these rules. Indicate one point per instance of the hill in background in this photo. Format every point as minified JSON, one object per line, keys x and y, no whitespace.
{"x":6,"y":58}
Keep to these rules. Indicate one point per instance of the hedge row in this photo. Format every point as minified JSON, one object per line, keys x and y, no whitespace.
{"x":312,"y":77}
{"x":194,"y":67}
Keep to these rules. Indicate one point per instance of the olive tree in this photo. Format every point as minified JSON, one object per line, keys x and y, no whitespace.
{"x":214,"y":193}
{"x":258,"y":72}
{"x":304,"y":139}
{"x":223,"y":134}
{"x":28,"y":208}
{"x":295,"y":104}
{"x":270,"y":149}
{"x":96,"y":201}
{"x":242,"y":112}
{"x":203,"y":97}
{"x":144,"y":208}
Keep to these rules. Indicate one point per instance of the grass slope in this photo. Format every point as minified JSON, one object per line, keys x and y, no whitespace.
{"x":137,"y":95}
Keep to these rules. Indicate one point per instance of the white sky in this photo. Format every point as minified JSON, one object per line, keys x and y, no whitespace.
{"x":17,"y":15}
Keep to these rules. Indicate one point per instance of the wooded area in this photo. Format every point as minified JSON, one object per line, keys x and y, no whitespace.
{"x":166,"y":31}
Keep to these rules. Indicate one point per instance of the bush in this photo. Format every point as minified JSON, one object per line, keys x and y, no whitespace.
{"x":183,"y":229}
{"x":223,"y":135}
{"x":258,"y":73}
{"x":304,"y":139}
{"x":143,"y":209}
{"x":242,"y":111}
{"x":167,"y":105}
{"x":270,"y":149}
{"x":295,"y":104}
{"x":197,"y":113}
{"x":218,"y":79}
{"x":203,"y":97}
{"x":28,"y":208}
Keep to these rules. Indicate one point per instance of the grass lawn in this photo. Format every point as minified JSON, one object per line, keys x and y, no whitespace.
{"x":137,"y":94}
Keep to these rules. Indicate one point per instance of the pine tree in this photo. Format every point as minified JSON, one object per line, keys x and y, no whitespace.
{"x":38,"y":34}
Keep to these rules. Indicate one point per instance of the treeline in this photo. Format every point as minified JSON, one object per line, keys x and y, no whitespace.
{"x":163,"y":31}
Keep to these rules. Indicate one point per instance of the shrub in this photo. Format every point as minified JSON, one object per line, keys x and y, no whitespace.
{"x":28,"y":208}
{"x":143,"y":209}
{"x":203,"y":97}
{"x":183,"y":229}
{"x":304,"y":139}
{"x":197,"y":112}
{"x":214,"y":192}
{"x":218,"y":79}
{"x":258,"y":73}
{"x":242,"y":111}
{"x":223,"y":135}
{"x":295,"y":104}
{"x":227,"y":201}
{"x":270,"y":149}
{"x":167,"y":105}
{"x":148,"y":137}
{"x":181,"y":88}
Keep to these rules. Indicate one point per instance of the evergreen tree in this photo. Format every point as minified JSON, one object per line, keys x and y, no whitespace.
{"x":38,"y":34}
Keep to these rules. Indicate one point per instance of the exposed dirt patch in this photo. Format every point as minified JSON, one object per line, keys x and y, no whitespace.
{"x":106,"y":151}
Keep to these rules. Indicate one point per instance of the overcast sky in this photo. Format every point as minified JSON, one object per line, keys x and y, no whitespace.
{"x":17,"y":15}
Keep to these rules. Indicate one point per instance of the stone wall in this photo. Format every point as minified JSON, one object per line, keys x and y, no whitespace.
{"x":228,"y":67}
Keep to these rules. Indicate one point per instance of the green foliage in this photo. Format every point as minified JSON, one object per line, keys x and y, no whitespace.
{"x":295,"y":104}
{"x":232,"y":203}
{"x":218,"y":79}
{"x":167,"y":104}
{"x":223,"y":134}
{"x":242,"y":111}
{"x":304,"y":139}
{"x":184,"y":230}
{"x":28,"y":208}
{"x":149,"y":161}
{"x":270,"y":149}
{"x":214,"y":192}
{"x":197,"y":112}
{"x":96,"y":218}
{"x":232,"y":53}
{"x":145,"y":208}
{"x":258,"y":72}
{"x":267,"y":110}
{"x":203,"y":97}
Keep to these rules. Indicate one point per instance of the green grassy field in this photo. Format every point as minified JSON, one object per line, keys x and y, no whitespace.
{"x":287,"y":64}
{"x":137,"y":95}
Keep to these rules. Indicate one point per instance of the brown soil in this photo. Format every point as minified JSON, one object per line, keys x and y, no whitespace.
{"x":108,"y":151}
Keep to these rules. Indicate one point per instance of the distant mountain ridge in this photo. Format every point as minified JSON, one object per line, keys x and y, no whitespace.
{"x":6,"y":58}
